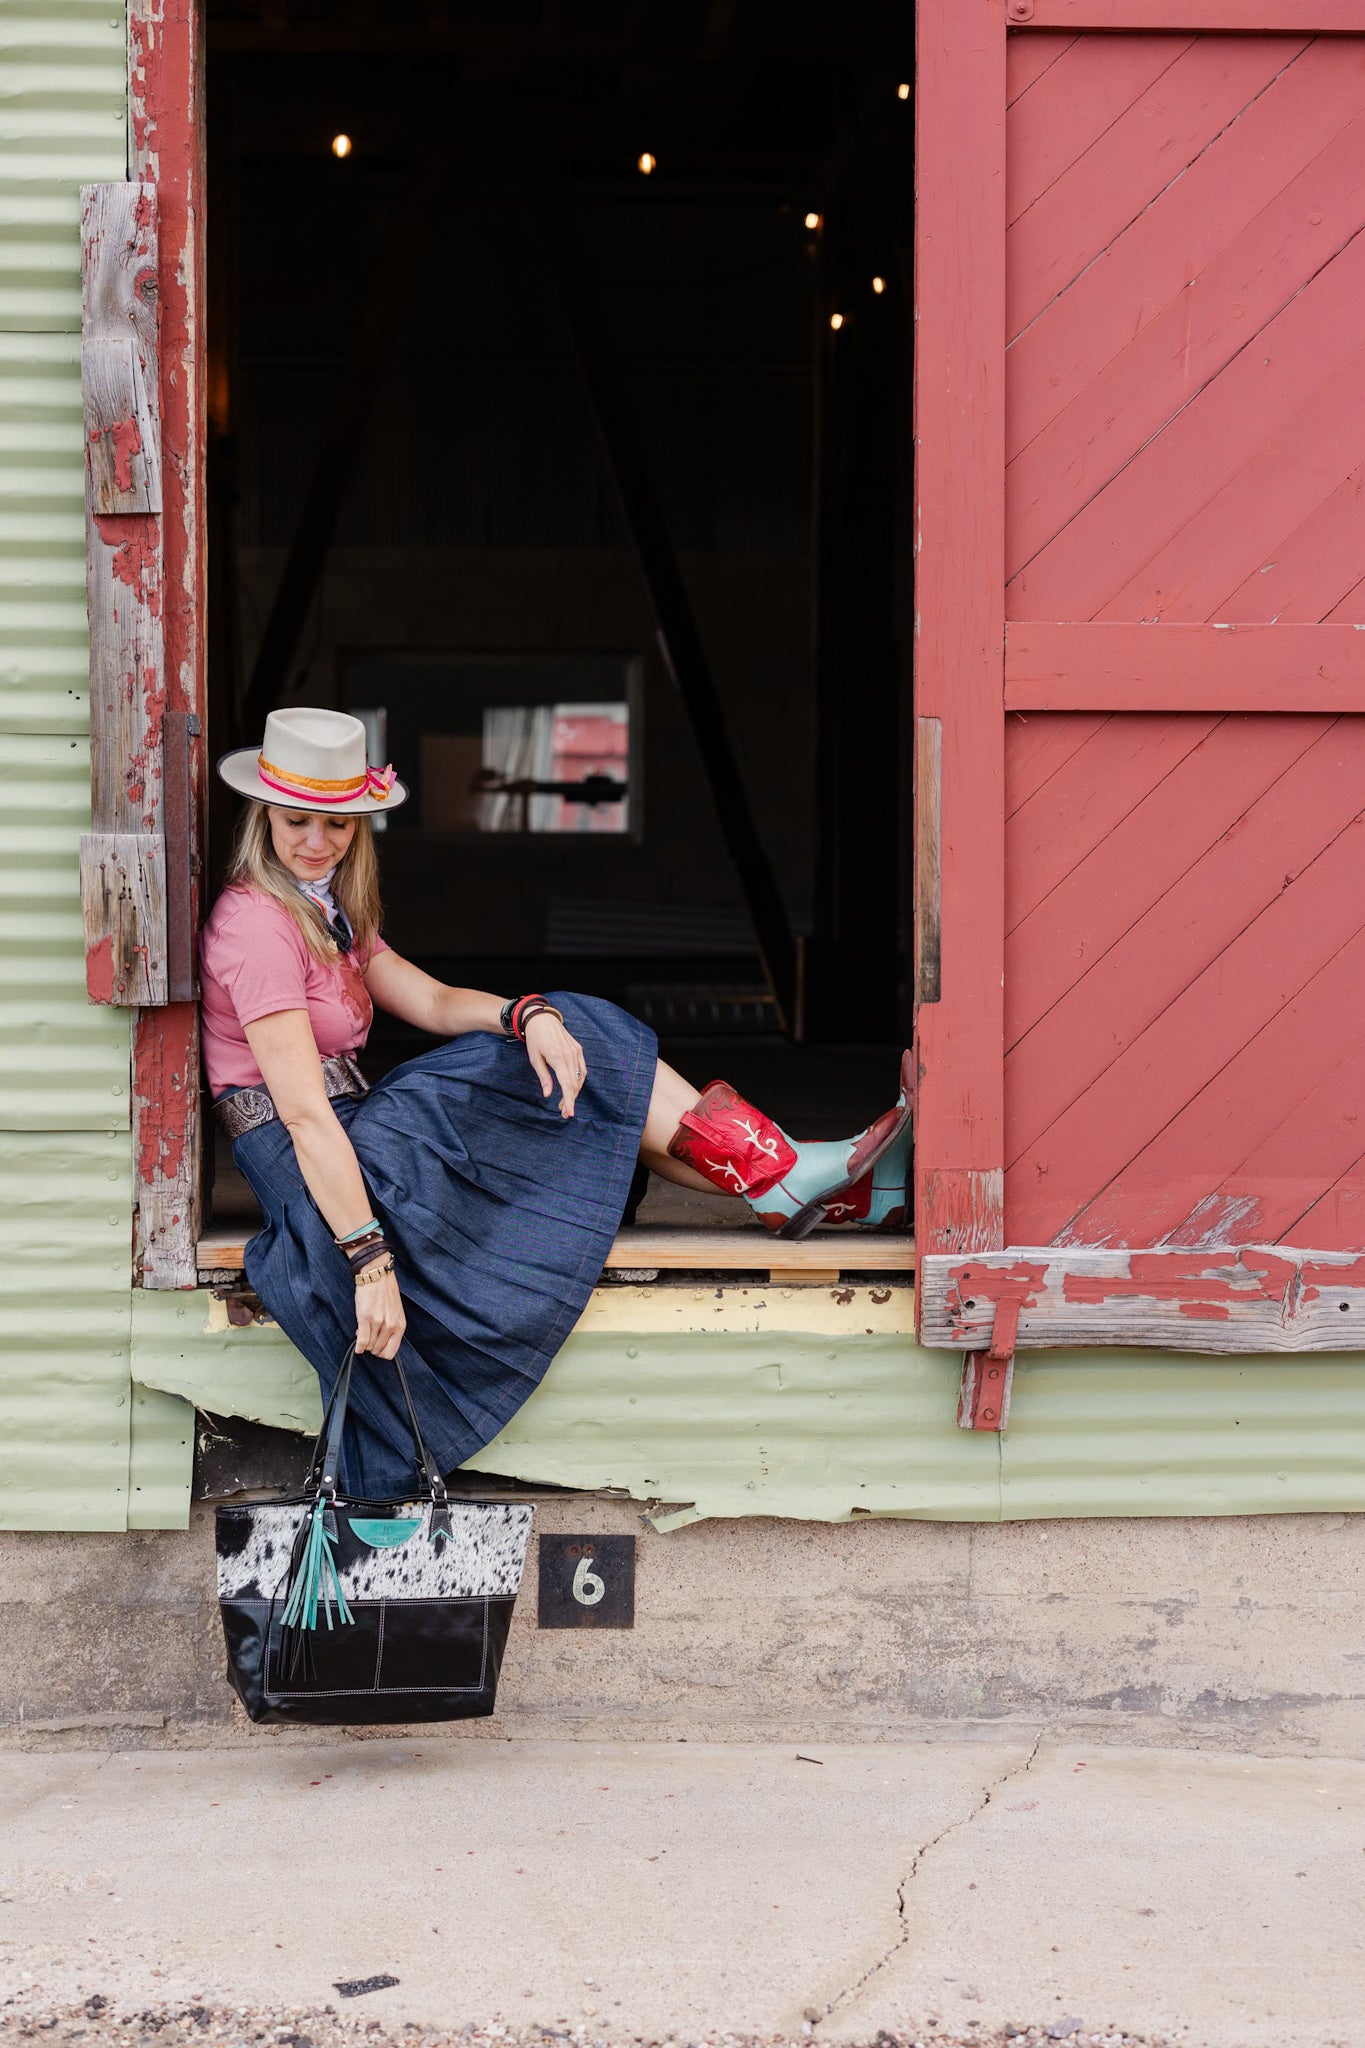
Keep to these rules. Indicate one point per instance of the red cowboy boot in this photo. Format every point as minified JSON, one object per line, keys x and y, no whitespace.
{"x":793,"y":1186}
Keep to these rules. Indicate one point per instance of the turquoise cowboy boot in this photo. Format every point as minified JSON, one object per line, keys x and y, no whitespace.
{"x":792,"y":1186}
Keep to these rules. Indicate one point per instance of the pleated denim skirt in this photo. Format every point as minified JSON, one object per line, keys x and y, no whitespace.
{"x":500,"y":1213}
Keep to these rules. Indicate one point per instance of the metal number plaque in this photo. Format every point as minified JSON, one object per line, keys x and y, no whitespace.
{"x":587,"y":1582}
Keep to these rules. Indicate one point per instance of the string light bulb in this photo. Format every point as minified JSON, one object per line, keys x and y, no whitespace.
{"x":836,"y":321}
{"x":812,"y":221}
{"x":341,"y":145}
{"x":902,"y":92}
{"x":647,"y":163}
{"x":879,"y":285}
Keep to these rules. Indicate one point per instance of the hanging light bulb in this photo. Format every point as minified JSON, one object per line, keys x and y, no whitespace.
{"x":647,"y":163}
{"x":812,"y":221}
{"x":341,"y":145}
{"x":902,"y":92}
{"x":879,"y":285}
{"x":836,"y":321}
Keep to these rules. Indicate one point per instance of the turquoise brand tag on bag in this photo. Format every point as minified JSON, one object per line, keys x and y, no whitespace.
{"x":385,"y":1535}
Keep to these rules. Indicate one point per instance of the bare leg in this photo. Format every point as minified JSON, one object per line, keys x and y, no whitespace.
{"x":671,"y":1099}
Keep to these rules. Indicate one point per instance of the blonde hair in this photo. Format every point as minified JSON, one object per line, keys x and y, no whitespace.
{"x":355,"y":883}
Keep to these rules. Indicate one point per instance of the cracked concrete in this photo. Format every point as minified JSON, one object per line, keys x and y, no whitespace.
{"x":656,"y":1889}
{"x":904,"y":1884}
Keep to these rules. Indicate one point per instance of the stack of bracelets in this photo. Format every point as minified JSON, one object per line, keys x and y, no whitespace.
{"x":518,"y":1011}
{"x":368,"y":1252}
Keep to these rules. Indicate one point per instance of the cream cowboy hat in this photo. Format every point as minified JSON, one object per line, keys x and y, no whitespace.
{"x":313,"y":761}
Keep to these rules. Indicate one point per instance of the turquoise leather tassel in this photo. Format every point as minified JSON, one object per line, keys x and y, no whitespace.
{"x":316,"y":1582}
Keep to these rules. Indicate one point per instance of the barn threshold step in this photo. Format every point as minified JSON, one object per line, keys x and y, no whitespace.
{"x":810,"y":1261}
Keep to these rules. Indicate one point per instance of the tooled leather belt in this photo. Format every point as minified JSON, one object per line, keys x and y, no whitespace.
{"x":249,"y":1108}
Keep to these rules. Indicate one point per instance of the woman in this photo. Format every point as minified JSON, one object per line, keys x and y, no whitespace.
{"x":457,"y":1211}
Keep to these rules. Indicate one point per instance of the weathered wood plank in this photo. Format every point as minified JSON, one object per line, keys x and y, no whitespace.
{"x":1177,"y":240}
{"x":1160,"y":136}
{"x":928,"y":858}
{"x":123,"y":909}
{"x":165,"y":104}
{"x":678,"y":1248}
{"x":1112,"y":666}
{"x":960,"y":439}
{"x":119,"y":367}
{"x":166,"y":1141}
{"x":123,"y":874}
{"x":1246,"y":1298}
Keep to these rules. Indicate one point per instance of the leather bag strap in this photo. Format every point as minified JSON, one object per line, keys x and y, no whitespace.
{"x":322,"y":1475}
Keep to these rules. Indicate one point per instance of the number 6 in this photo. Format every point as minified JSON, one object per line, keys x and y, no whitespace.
{"x":587,"y":1587}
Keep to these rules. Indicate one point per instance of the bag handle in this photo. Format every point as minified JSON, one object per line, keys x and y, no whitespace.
{"x":322,"y":1474}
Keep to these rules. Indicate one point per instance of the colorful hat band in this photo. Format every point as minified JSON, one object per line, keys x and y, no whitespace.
{"x":375,"y":782}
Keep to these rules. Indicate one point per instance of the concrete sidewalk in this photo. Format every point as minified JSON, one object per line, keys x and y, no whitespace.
{"x":648,"y":1890}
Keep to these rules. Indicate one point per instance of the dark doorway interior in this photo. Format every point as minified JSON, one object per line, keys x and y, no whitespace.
{"x":428,"y":506}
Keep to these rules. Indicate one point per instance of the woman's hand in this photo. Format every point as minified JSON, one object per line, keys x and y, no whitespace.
{"x":556,"y":1055}
{"x":379,"y":1318}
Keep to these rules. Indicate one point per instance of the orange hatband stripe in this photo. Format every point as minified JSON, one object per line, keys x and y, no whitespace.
{"x":348,"y":785}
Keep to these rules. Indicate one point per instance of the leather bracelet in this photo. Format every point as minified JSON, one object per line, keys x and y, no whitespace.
{"x":518,"y":1017}
{"x":382,"y":1250}
{"x":375,"y":1274}
{"x":538,"y":1010}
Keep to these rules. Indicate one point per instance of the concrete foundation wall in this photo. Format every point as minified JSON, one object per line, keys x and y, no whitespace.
{"x":1231,"y":1633}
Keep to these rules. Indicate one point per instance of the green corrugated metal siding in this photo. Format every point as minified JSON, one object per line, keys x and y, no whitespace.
{"x":788,"y":1423}
{"x":64,"y":1062}
{"x":63,"y":119}
{"x":43,"y":641}
{"x":78,"y":1448}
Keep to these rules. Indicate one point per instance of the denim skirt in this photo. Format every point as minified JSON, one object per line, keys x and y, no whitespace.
{"x":500,"y":1213}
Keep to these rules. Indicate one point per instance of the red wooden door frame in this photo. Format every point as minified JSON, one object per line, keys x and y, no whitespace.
{"x":166,"y":147}
{"x":970,"y":670}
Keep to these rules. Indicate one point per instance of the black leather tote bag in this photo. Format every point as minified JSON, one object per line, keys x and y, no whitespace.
{"x":364,"y":1611}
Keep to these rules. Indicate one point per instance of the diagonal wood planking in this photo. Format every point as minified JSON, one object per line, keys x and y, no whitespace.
{"x":1161,"y":134}
{"x":1185,"y":423}
{"x":1172,"y":243}
{"x":1135,"y":1038}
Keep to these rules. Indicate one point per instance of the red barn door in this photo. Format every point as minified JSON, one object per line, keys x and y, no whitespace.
{"x":1141,"y":670}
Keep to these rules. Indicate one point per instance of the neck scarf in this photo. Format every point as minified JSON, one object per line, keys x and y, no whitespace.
{"x":319,"y":893}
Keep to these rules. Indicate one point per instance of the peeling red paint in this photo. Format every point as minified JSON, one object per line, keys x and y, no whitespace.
{"x":166,"y":1052}
{"x":1206,"y":1311}
{"x":1194,"y":1277}
{"x":142,"y":212}
{"x":164,"y":88}
{"x":99,"y":970}
{"x":135,"y":539}
{"x":127,"y":443}
{"x":1020,"y":1281}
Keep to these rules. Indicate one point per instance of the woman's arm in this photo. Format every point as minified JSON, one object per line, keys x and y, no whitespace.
{"x":418,"y":998}
{"x":286,"y":1052}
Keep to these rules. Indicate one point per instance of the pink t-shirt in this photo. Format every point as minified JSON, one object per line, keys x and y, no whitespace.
{"x":254,"y":961}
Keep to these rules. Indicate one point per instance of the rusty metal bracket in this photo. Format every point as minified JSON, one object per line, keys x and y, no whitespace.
{"x":988,"y":1376}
